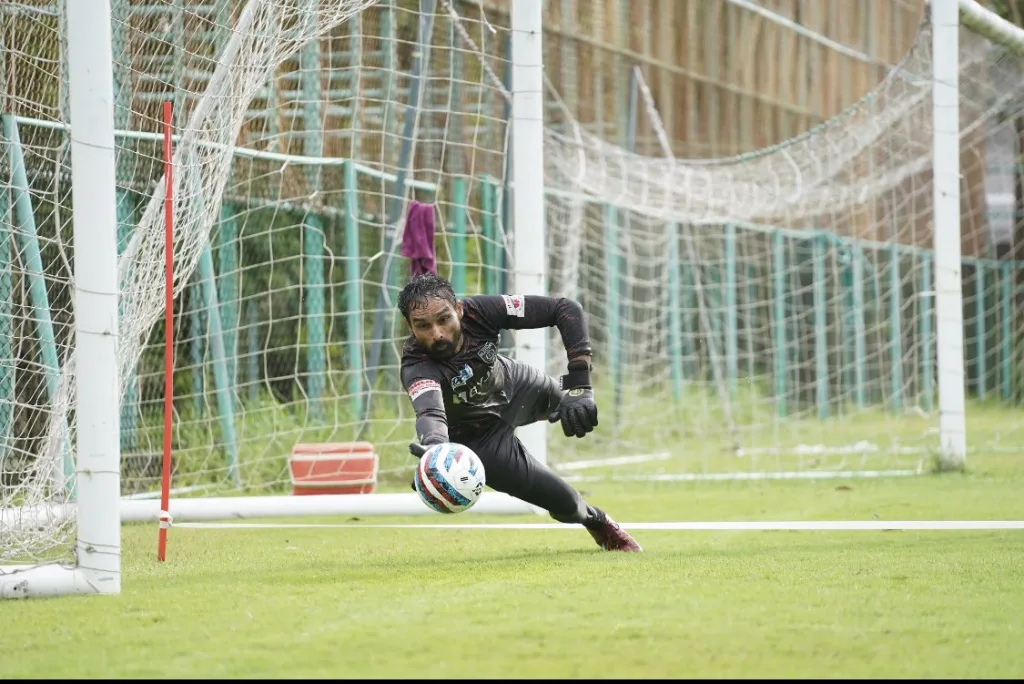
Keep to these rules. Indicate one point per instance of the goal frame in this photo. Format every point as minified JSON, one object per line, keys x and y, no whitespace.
{"x":97,"y":507}
{"x":949,"y":313}
{"x":946,"y":18}
{"x":97,"y":487}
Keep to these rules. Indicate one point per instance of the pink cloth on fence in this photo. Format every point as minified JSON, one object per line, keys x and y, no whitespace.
{"x":418,"y":239}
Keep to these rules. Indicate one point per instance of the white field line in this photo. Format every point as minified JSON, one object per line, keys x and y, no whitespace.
{"x":704,"y":477}
{"x":742,"y":526}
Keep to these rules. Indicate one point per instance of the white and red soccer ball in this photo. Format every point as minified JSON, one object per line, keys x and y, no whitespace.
{"x":450,"y":478}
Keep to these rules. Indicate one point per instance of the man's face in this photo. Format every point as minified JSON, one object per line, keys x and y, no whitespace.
{"x":437,"y":326}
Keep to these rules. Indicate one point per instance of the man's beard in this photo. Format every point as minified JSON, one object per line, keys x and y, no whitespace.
{"x":443,"y":350}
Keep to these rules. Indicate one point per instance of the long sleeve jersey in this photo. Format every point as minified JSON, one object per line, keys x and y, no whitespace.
{"x":467,"y":393}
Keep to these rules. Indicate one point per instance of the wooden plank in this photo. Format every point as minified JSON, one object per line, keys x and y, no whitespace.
{"x":645,"y":128}
{"x":666,"y":83}
{"x":786,"y":72}
{"x":693,"y":56}
{"x":752,"y":46}
{"x":770,"y":124}
{"x":731,"y":65}
{"x":713,"y":62}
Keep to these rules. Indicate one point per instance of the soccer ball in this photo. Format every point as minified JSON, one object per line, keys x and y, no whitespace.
{"x":449,"y":478}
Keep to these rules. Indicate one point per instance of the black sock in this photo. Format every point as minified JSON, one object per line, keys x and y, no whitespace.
{"x":595,"y":517}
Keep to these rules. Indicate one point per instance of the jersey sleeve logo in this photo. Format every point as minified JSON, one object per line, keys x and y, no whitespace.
{"x":515,"y":305}
{"x":421,"y":387}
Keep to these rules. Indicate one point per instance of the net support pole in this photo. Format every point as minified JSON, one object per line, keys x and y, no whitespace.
{"x":529,"y":247}
{"x":946,"y":212}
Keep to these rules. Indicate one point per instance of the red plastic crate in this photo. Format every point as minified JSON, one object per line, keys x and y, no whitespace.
{"x":333,"y":468}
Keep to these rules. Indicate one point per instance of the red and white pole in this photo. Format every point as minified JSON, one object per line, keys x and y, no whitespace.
{"x":165,"y":479}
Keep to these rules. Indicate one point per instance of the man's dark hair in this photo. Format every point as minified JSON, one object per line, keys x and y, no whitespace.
{"x":417,"y":290}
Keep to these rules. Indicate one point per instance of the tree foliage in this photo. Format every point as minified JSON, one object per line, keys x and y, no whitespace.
{"x":1013,"y":10}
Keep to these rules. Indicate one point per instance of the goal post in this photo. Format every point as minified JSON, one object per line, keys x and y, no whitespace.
{"x":96,"y":434}
{"x":527,"y":188}
{"x":945,"y":19}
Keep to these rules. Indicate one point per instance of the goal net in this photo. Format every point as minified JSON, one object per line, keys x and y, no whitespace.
{"x":303,"y":134}
{"x":767,"y":315}
{"x":775,"y":314}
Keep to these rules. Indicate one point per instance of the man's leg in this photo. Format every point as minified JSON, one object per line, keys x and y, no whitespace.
{"x":533,"y":396}
{"x":510,"y":468}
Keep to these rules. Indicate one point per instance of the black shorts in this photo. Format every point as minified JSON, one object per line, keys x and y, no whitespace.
{"x":508,"y":466}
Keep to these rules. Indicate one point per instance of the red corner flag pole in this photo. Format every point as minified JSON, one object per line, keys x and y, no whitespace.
{"x":165,"y":479}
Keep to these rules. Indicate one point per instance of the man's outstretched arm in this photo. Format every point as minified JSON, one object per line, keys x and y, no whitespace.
{"x":519,"y":312}
{"x":423,"y":384}
{"x":577,"y":410}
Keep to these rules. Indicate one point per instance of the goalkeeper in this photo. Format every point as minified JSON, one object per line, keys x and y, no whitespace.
{"x":463,"y":391}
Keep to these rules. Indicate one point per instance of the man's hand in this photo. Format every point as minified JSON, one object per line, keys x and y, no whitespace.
{"x":577,"y":411}
{"x":416,"y":450}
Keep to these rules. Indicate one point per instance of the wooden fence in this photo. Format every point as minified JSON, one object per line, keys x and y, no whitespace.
{"x":729,"y":76}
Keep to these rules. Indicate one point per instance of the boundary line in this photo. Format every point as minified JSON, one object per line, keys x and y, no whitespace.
{"x":765,"y":526}
{"x":744,"y":476}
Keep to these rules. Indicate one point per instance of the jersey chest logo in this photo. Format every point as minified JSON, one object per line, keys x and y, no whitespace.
{"x":463,"y":377}
{"x":463,"y":389}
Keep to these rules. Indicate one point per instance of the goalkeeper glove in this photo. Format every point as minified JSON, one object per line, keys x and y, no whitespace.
{"x":416,"y":450}
{"x":577,"y":411}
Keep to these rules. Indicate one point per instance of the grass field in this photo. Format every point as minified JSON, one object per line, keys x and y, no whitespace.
{"x":367,"y":602}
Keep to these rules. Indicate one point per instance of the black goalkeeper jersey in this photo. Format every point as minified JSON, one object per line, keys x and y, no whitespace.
{"x":465,"y":394}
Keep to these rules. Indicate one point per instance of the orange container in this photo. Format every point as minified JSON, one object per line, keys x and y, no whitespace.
{"x":333,"y":468}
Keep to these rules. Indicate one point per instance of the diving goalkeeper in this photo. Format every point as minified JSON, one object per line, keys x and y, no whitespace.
{"x":464,"y":391}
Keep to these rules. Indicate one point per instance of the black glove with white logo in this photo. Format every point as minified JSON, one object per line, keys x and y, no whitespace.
{"x":417,"y":450}
{"x":577,"y":411}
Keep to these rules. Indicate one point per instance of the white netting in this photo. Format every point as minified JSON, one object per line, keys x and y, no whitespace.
{"x":36,"y":316}
{"x":298,"y":140}
{"x":773,"y":313}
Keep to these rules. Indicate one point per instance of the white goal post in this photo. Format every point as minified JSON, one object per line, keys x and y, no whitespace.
{"x":97,"y":449}
{"x":946,"y":211}
{"x":65,"y":538}
{"x":947,"y":16}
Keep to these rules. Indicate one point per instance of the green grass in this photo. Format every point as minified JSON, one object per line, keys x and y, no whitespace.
{"x":692,"y":429}
{"x":351,"y":602}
